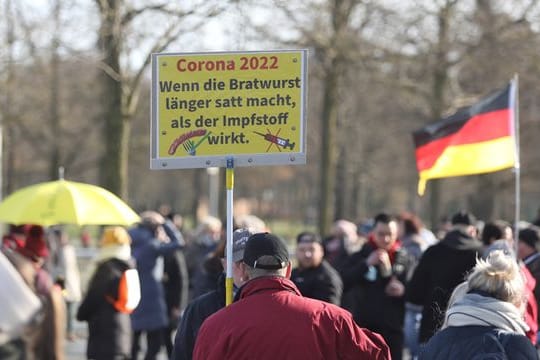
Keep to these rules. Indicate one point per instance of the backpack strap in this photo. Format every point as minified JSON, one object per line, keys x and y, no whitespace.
{"x":129,"y":292}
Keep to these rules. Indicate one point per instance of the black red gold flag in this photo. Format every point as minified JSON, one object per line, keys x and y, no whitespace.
{"x":474,"y":140}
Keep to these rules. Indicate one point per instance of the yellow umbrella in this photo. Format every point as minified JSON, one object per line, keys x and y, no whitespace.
{"x":66,"y":202}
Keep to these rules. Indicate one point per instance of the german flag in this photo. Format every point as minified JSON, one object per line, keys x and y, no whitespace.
{"x":476,"y":139}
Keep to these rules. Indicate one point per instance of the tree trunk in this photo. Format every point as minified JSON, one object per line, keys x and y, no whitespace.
{"x":434,"y":203}
{"x":54,"y":113}
{"x":124,"y":156}
{"x":113,"y":164}
{"x":222,"y":194}
{"x":198,"y":179}
{"x":7,"y":144}
{"x":440,"y":77}
{"x":483,"y":201}
{"x":356,"y":200}
{"x":342,"y":195}
{"x":328,"y":157}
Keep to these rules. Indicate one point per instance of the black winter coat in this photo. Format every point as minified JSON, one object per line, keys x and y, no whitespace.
{"x":196,"y":312}
{"x":109,"y":331}
{"x":322,"y":283}
{"x":175,"y":283}
{"x":374,"y":309}
{"x":477,"y":342}
{"x":441,"y":268}
{"x":367,"y":300}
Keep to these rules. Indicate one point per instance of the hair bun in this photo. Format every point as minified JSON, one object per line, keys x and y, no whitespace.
{"x":499,"y":276}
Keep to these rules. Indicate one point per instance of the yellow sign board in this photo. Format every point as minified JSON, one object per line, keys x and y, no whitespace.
{"x":207,"y":107}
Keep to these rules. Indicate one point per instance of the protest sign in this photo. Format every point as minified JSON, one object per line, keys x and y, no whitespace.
{"x":210,"y":106}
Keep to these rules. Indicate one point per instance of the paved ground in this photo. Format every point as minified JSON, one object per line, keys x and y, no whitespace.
{"x":76,"y":350}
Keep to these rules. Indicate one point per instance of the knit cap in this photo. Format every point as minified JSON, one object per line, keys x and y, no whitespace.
{"x":115,"y":235}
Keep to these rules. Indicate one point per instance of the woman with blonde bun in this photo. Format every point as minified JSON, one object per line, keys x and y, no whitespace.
{"x":484,"y":319}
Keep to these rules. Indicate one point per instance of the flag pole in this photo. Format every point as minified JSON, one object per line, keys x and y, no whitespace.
{"x":517,"y":164}
{"x":229,"y":247}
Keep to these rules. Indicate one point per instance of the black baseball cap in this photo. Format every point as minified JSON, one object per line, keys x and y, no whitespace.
{"x":308,"y":237}
{"x":266,"y":244}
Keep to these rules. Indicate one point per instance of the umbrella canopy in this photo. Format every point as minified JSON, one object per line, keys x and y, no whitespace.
{"x":66,"y":202}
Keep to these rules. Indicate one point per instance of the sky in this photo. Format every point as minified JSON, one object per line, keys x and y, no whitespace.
{"x":80,"y":21}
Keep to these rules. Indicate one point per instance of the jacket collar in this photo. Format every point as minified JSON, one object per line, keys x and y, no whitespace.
{"x":477,"y":309}
{"x":267,"y":284}
{"x":458,"y":239}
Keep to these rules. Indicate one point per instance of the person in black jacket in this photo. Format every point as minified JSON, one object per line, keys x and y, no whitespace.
{"x":377,"y":274}
{"x":175,"y":281}
{"x":484,"y":319}
{"x":109,"y":329}
{"x":176,"y":286}
{"x":441,"y":268}
{"x":205,"y":305}
{"x":315,"y":277}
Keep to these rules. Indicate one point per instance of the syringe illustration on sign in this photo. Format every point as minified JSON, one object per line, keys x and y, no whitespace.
{"x":276,"y":140}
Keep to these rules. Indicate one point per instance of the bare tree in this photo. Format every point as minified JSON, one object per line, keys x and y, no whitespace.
{"x":54,"y":91}
{"x":335,"y":53}
{"x":384,"y":72}
{"x":425,"y":72}
{"x":120,"y":88}
{"x":440,"y":70}
{"x":5,"y":125}
{"x":332,"y":30}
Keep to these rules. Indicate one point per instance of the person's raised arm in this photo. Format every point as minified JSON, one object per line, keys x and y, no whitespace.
{"x":175,"y":237}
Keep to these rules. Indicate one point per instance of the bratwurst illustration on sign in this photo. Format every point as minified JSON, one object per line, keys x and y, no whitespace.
{"x":209,"y":106}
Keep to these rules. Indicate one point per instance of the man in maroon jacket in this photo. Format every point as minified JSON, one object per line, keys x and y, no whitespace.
{"x":271,"y":319}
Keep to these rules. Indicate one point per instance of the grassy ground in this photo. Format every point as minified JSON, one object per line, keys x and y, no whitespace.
{"x":288,"y":230}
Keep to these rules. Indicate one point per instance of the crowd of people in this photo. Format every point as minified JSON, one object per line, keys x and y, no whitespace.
{"x":376,"y":290}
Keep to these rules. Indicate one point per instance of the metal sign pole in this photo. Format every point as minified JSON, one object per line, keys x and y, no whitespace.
{"x":229,"y":247}
{"x":517,"y":163}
